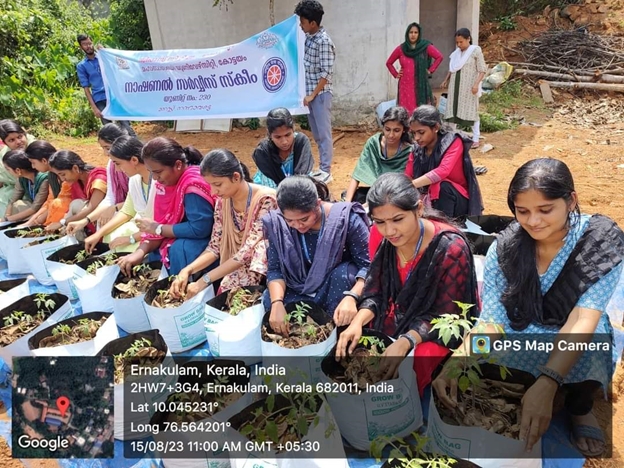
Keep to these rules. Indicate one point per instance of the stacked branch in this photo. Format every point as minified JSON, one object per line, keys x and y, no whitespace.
{"x":574,"y":59}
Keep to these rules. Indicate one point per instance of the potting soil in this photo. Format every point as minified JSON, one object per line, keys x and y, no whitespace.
{"x":555,"y":443}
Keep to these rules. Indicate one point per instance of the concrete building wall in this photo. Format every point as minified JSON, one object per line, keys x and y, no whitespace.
{"x":364,"y":31}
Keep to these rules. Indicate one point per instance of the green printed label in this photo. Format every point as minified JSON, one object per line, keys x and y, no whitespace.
{"x":189,"y":332}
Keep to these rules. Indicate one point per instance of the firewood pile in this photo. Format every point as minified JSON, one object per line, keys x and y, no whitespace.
{"x":576,"y":51}
{"x":575,"y":59}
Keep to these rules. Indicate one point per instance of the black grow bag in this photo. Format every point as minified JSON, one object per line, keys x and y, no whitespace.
{"x":331,"y":367}
{"x":12,"y":233}
{"x":121,"y":278}
{"x":69,"y":253}
{"x":33,"y":341}
{"x":316,"y":312}
{"x":120,"y":345}
{"x":218,"y":302}
{"x":492,"y":224}
{"x":7,"y":285}
{"x":10,"y":225}
{"x":159,"y":285}
{"x":92,"y":259}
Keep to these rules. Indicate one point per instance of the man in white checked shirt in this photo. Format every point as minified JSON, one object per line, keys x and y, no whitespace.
{"x":319,"y":67}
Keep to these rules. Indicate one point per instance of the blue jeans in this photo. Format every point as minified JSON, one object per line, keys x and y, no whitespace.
{"x":320,"y":124}
{"x":122,"y":123}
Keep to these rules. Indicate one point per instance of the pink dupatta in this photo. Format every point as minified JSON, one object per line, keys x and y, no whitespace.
{"x":169,"y":204}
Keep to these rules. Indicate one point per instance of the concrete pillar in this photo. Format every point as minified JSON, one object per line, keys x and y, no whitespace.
{"x":468,"y":17}
{"x":153,"y":22}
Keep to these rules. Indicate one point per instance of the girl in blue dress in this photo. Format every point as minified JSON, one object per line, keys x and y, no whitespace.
{"x":552,"y":271}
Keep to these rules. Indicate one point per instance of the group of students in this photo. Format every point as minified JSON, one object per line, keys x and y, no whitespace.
{"x":552,"y":271}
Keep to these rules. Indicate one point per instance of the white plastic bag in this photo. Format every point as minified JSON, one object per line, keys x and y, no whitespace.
{"x":125,"y":428}
{"x":19,"y":347}
{"x":364,"y":417}
{"x":326,"y":432}
{"x":486,"y":449}
{"x":35,"y":257}
{"x":12,"y":247}
{"x":107,"y":332}
{"x":94,"y":290}
{"x":442,"y":104}
{"x":182,"y":327}
{"x":130,"y":314}
{"x":13,"y":290}
{"x":234,"y":336}
{"x":210,"y":459}
{"x":302,"y":364}
{"x":62,"y":273}
{"x":3,"y":227}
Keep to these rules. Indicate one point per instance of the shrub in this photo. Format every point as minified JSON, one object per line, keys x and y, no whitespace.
{"x":128,"y":24}
{"x":38,"y":81}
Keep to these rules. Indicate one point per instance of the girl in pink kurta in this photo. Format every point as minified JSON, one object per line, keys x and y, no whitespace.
{"x":418,"y":59}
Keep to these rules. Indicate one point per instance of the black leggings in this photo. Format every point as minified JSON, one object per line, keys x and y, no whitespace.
{"x":579,"y":399}
{"x":452,"y":203}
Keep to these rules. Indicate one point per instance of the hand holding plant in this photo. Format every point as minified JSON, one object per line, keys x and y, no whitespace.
{"x":393,"y":357}
{"x":75,"y":226}
{"x":278,"y":319}
{"x":194,"y":289}
{"x":537,"y":408}
{"x":179,"y":286}
{"x":346,"y":311}
{"x":92,"y":241}
{"x":348,"y":340}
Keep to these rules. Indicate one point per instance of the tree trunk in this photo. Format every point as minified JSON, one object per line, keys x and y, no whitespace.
{"x":272,"y":12}
{"x":599,"y":86}
{"x":564,"y":76}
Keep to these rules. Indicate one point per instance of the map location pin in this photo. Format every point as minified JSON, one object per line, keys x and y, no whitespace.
{"x":62,"y":403}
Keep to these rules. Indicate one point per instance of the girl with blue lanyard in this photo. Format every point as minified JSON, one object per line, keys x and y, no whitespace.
{"x":237,"y":243}
{"x":121,"y":232}
{"x":31,"y":191}
{"x":317,"y":251}
{"x":422,"y":264}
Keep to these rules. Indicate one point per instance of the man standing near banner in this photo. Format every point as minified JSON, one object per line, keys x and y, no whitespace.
{"x":90,"y":78}
{"x":319,"y":67}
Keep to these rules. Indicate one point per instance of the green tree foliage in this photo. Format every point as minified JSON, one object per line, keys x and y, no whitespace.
{"x":38,"y":81}
{"x":128,"y":24}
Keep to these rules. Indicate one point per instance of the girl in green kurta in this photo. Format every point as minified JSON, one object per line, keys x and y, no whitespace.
{"x":387,"y":151}
{"x":466,"y":71}
{"x":15,"y":138}
{"x":31,"y":190}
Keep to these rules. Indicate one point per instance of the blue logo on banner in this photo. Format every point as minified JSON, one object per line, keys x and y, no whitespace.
{"x":274,"y":74}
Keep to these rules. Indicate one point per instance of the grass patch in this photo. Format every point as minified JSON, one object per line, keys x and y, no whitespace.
{"x":497,"y":106}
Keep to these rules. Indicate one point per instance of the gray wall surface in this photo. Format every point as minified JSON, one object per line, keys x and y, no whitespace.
{"x":364,"y":31}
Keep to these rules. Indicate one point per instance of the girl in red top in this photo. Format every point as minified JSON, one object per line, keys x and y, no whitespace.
{"x":421,"y":265}
{"x":440,"y":166}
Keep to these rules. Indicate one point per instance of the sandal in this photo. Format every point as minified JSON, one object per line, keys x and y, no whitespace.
{"x":475,"y":145}
{"x":589,"y":432}
{"x":480,"y":170}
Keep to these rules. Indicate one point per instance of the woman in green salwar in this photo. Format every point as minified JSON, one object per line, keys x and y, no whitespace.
{"x":14,"y":137}
{"x":387,"y":151}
